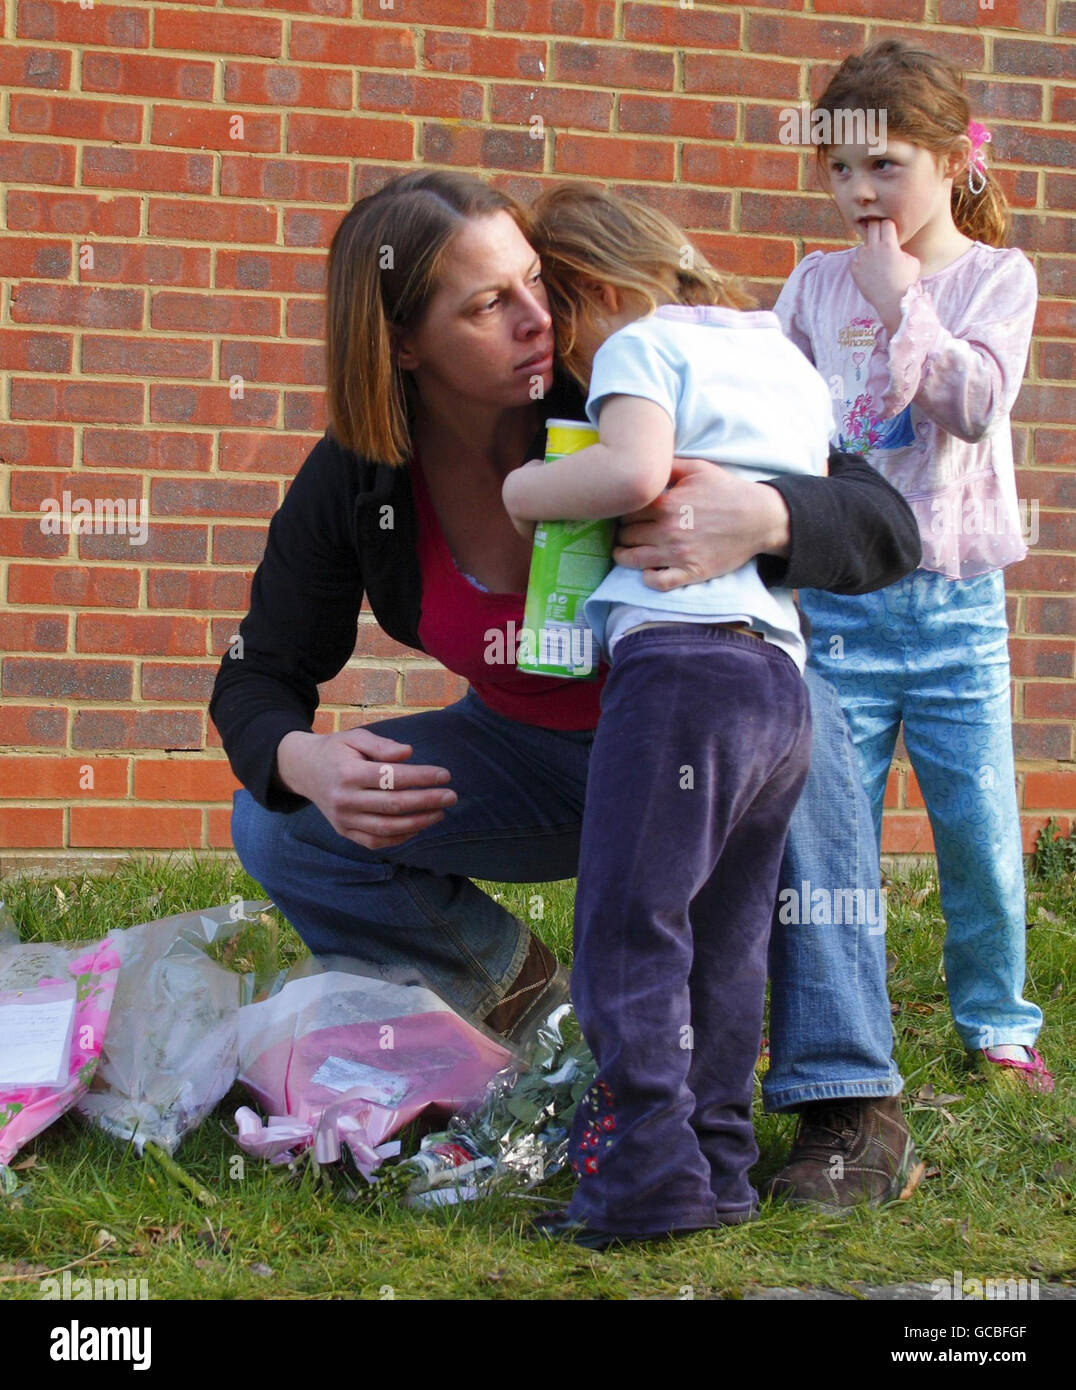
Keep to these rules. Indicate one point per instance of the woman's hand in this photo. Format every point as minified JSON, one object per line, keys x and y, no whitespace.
{"x":362,"y":785}
{"x":883,"y":272}
{"x":708,"y":523}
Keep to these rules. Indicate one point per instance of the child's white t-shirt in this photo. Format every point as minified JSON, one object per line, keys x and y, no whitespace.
{"x":739,"y":394}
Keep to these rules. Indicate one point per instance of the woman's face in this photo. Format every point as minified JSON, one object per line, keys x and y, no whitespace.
{"x":486,"y":337}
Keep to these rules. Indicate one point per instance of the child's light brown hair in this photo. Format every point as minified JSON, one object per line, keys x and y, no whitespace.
{"x":584,"y":233}
{"x":924,"y":102}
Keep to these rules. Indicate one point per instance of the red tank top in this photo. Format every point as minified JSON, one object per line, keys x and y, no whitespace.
{"x":474,"y":634}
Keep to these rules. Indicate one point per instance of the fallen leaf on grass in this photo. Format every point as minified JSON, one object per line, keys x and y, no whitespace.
{"x":26,"y":1163}
{"x":962,"y":1231}
{"x":103,"y":1239}
{"x":925,"y":1009}
{"x":926,"y":1095}
{"x":932,"y":1173}
{"x":262,"y":1271}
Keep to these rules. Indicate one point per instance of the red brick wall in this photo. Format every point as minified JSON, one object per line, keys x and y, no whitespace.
{"x":155,"y":247}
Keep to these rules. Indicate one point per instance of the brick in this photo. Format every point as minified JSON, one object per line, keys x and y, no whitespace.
{"x":165,"y":542}
{"x":1057,"y":447}
{"x":36,"y":162}
{"x":48,"y":68}
{"x":177,"y":681}
{"x":700,"y":120}
{"x":211,"y":405}
{"x":178,"y":730}
{"x":273,"y":362}
{"x":216,"y":221}
{"x":32,"y":726}
{"x":91,"y":401}
{"x":238,"y":545}
{"x":153,"y":451}
{"x":219,"y":34}
{"x":140,"y":634}
{"x":77,"y":306}
{"x":1063,"y":107}
{"x":134,"y":827}
{"x":140,"y":75}
{"x":286,"y":272}
{"x":1045,"y":530}
{"x":212,"y":497}
{"x":332,"y":8}
{"x":1020,"y":186}
{"x":202,"y":590}
{"x":29,"y":491}
{"x":263,"y":84}
{"x":353,"y":45}
{"x":595,"y":155}
{"x":219,"y":833}
{"x":1061,"y":191}
{"x":475,"y":147}
{"x":1050,"y":700}
{"x":31,"y":827}
{"x":1042,"y":741}
{"x":1050,"y":791}
{"x":1034,"y":58}
{"x":48,"y":446}
{"x":435,"y":686}
{"x":75,"y":586}
{"x":1057,"y":361}
{"x":693,"y":208}
{"x":107,"y":26}
{"x":868,"y":9}
{"x":66,"y":118}
{"x":1018,"y":100}
{"x":613,"y":65}
{"x":1046,"y":405}
{"x":680,"y":27}
{"x":26,"y":538}
{"x":459,"y":14}
{"x":907,"y":834}
{"x":420,"y":96}
{"x":46,"y":260}
{"x":151,"y":171}
{"x":891,"y":795}
{"x":360,"y":686}
{"x":1028,"y":15}
{"x":373,"y":642}
{"x":483,"y":55}
{"x":176,"y":311}
{"x":59,"y":679}
{"x":199,"y":129}
{"x":736,"y":167}
{"x":22,"y":351}
{"x":559,"y":107}
{"x":1033,"y":826}
{"x":1054,"y":573}
{"x":149,"y":264}
{"x":33,"y":632}
{"x":368,"y":137}
{"x":283,"y":180}
{"x":803,"y":215}
{"x":182,"y":779}
{"x":49,"y":778}
{"x":310,"y":226}
{"x":587,"y":19}
{"x":1055,"y":319}
{"x":278,"y":454}
{"x":967,"y":51}
{"x":116,"y":356}
{"x":748,"y":255}
{"x":741,"y":76}
{"x":1037,"y":233}
{"x":305,"y":410}
{"x":85,"y":214}
{"x":806,"y":38}
{"x":1026,"y":144}
{"x":1057,"y":276}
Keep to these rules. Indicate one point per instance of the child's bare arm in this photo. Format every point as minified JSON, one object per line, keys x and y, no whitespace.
{"x":628,"y":469}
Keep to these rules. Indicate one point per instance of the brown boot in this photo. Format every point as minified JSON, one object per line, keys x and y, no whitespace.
{"x":540,"y":986}
{"x":849,"y":1151}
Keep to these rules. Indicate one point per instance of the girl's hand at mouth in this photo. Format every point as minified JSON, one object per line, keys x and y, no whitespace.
{"x":882,"y":271}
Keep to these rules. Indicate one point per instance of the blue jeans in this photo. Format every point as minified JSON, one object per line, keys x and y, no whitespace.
{"x":518,"y":819}
{"x":932,"y":653}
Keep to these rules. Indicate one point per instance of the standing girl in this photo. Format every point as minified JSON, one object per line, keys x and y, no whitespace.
{"x":923,"y":334}
{"x":703,"y":742}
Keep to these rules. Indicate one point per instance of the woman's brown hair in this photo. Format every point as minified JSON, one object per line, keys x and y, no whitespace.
{"x":384,"y":265}
{"x":584,"y":233}
{"x":924,"y":102}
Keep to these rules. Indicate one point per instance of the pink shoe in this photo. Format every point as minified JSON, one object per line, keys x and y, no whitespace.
{"x":1032,"y":1072}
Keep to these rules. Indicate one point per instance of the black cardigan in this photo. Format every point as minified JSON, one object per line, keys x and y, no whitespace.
{"x":347,"y":526}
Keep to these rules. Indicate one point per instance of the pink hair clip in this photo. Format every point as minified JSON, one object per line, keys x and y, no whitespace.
{"x":979,"y":136}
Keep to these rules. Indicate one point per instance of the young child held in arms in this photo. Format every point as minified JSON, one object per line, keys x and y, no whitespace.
{"x":703,"y":742}
{"x":923,"y":330}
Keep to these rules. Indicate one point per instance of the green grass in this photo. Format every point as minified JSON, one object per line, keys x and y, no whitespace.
{"x":995,"y":1205}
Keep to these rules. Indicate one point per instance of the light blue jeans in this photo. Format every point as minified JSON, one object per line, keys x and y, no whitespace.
{"x":932,"y":653}
{"x":518,"y":819}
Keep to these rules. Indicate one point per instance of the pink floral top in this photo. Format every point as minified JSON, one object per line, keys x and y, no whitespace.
{"x":930,"y":407}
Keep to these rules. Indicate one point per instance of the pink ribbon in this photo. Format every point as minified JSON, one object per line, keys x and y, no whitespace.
{"x":979,"y":136}
{"x":283,"y":1136}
